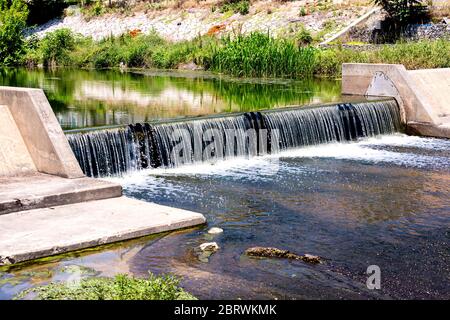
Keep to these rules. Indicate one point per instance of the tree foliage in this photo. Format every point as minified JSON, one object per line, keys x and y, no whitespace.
{"x":13,"y":17}
{"x":42,"y":11}
{"x":403,"y":12}
{"x":55,"y":47}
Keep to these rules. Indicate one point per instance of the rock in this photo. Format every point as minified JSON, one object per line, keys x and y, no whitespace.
{"x":205,"y":250}
{"x":189,"y":66}
{"x":311,"y":258}
{"x":215,"y":230}
{"x":268,"y":252}
{"x":209,"y":246}
{"x":6,"y":261}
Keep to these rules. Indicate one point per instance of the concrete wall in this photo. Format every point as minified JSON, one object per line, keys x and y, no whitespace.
{"x":14,"y":156}
{"x":423,"y":95}
{"x":40,"y":131}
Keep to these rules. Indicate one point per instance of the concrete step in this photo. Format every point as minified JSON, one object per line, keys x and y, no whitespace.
{"x":41,"y":190}
{"x":28,"y":235}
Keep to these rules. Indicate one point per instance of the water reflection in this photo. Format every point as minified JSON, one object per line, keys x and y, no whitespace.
{"x":87,"y":98}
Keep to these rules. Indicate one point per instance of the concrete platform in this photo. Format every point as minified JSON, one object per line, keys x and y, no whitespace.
{"x":42,"y":190}
{"x":38,"y":233}
{"x":47,"y":205}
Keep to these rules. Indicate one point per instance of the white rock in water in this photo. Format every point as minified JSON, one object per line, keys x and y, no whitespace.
{"x":209,"y":246}
{"x":215,"y":230}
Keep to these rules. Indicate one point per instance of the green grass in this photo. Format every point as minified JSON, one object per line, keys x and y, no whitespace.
{"x":413,"y":55}
{"x":121,"y":287}
{"x":252,"y":55}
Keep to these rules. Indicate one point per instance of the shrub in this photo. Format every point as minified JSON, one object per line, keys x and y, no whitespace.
{"x":171,"y":55}
{"x":121,"y":287}
{"x":13,"y":16}
{"x":56,"y":46}
{"x":107,"y":56}
{"x":236,"y":6}
{"x":302,"y":12}
{"x":303,"y":36}
{"x":403,"y":12}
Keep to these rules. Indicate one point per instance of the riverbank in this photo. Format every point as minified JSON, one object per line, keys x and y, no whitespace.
{"x":186,"y":20}
{"x":252,"y":55}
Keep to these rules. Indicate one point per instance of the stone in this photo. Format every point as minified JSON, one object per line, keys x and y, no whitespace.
{"x":269,"y":252}
{"x":209,"y":246}
{"x":215,"y":230}
{"x":205,"y":250}
{"x":311,"y":258}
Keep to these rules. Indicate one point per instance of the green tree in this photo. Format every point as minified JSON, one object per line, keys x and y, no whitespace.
{"x":55,"y":47}
{"x":403,"y":12}
{"x":13,"y":17}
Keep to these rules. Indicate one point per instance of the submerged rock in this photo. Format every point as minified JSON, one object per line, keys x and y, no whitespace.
{"x":205,"y":250}
{"x":268,"y":252}
{"x":209,"y":246}
{"x":215,"y":230}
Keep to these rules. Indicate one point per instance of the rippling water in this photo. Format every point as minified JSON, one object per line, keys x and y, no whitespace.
{"x":382,"y":201}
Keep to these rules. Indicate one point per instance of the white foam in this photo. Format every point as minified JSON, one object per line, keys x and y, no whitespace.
{"x":363,"y":151}
{"x":261,"y":167}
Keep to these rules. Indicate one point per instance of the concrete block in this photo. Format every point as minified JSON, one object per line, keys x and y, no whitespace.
{"x":42,"y":190}
{"x":14,"y":156}
{"x":422,"y":95}
{"x":41,"y":132}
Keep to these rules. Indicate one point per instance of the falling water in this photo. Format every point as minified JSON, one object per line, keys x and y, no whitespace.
{"x":342,"y":122}
{"x":107,"y":152}
{"x":138,"y":146}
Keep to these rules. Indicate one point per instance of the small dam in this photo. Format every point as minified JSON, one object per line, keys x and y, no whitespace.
{"x":146,"y":145}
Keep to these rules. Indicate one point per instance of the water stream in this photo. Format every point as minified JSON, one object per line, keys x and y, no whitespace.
{"x":344,"y":184}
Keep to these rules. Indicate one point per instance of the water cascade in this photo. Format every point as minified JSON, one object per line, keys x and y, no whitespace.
{"x":138,"y":146}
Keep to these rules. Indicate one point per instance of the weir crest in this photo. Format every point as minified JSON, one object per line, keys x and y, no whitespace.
{"x":143,"y":145}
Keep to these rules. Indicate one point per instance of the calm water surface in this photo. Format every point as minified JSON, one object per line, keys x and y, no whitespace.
{"x":87,"y":98}
{"x":382,"y":201}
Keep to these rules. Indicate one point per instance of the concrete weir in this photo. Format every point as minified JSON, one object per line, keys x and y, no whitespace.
{"x":47,"y":205}
{"x":423,"y":95}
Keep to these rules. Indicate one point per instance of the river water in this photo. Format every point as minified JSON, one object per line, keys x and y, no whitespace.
{"x":381,"y":201}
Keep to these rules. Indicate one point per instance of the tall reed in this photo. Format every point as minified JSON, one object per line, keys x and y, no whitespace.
{"x":259,"y":55}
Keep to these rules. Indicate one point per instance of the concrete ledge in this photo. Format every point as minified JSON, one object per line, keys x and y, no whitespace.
{"x":44,"y":232}
{"x":426,"y":129}
{"x":42,"y":190}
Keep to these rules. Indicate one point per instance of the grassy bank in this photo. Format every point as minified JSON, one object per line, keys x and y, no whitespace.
{"x":253,"y":55}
